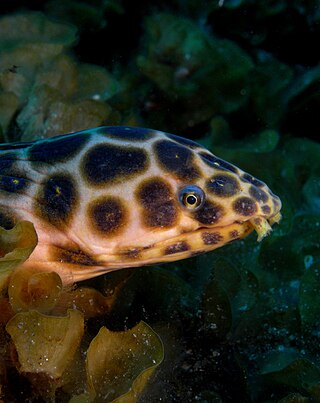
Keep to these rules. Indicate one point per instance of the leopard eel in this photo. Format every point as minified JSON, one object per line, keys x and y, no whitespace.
{"x":116,"y":197}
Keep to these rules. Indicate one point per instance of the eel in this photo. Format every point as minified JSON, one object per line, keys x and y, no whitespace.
{"x":116,"y":197}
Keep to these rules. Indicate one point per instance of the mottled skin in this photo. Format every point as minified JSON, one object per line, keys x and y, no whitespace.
{"x":115,"y":197}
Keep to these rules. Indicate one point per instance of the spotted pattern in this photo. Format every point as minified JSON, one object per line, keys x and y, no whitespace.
{"x":266,"y":209}
{"x":252,"y":180}
{"x":108,"y":215}
{"x":258,"y":221}
{"x":258,"y":194}
{"x":115,"y":155}
{"x":7,"y":218}
{"x":107,"y":163}
{"x":181,"y":246}
{"x":57,"y":200}
{"x":223,"y":185}
{"x":209,"y":214}
{"x":159,"y":208}
{"x":11,"y":179}
{"x":133,"y":253}
{"x":13,"y":184}
{"x":275,"y":202}
{"x":215,"y":162}
{"x":58,"y":149}
{"x":72,"y":256}
{"x":245,"y":206}
{"x":7,"y":160}
{"x":176,"y":159}
{"x":211,"y":238}
{"x":127,"y":133}
{"x":234,"y":234}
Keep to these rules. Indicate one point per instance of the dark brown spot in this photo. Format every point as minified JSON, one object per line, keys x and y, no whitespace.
{"x":107,"y":163}
{"x":181,"y":246}
{"x":108,"y":215}
{"x":223,"y":185}
{"x":251,"y":179}
{"x":126,"y":133}
{"x":57,"y":149}
{"x":209,"y":213}
{"x":276,"y":201}
{"x":7,"y":160}
{"x":158,"y":203}
{"x":12,"y":178}
{"x":13,"y":183}
{"x":245,"y":206}
{"x":258,"y":194}
{"x":218,"y":163}
{"x":176,"y":159}
{"x":132,"y":253}
{"x":7,"y":218}
{"x":234,"y":234}
{"x":57,"y":199}
{"x":211,"y":238}
{"x":266,"y":209}
{"x":72,"y":256}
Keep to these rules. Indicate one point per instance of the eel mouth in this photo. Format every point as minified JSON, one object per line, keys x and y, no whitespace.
{"x":179,"y":247}
{"x":188,"y":244}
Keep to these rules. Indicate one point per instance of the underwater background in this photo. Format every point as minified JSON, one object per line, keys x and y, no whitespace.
{"x":242,"y":77}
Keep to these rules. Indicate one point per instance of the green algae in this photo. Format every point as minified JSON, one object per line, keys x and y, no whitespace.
{"x":48,"y":93}
{"x":175,"y":57}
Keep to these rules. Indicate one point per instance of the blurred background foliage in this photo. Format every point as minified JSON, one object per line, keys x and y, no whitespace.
{"x":243,"y":78}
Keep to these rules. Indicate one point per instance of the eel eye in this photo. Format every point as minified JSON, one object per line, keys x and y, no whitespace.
{"x":191,"y":197}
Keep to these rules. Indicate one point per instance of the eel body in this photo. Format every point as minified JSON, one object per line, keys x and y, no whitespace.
{"x":115,"y":197}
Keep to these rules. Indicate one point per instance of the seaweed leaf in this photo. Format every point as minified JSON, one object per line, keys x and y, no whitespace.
{"x":46,"y":344}
{"x":120,"y":363}
{"x":16,"y":246}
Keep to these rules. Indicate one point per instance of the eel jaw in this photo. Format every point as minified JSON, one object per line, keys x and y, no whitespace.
{"x":263,"y":226}
{"x":200,"y":241}
{"x":185,"y":245}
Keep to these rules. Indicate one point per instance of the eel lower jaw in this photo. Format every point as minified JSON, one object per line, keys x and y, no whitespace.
{"x":177,"y":248}
{"x":188,"y":244}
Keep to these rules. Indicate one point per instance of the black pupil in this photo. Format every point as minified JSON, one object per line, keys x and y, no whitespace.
{"x":191,"y":199}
